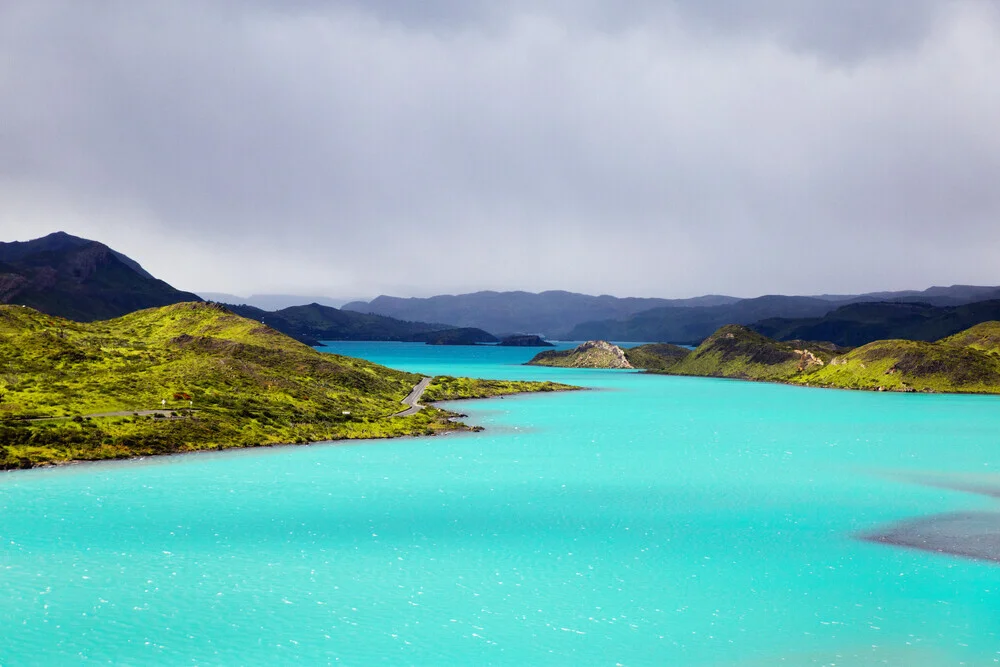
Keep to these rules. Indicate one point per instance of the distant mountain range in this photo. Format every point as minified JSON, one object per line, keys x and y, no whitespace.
{"x":501,"y":313}
{"x":570,"y":316}
{"x":861,"y":323}
{"x":954,"y":295}
{"x":271,"y":302}
{"x":78,"y":279}
{"x":85,"y":280}
{"x":690,"y":326}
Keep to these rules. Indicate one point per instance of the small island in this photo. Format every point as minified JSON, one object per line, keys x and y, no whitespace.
{"x":460,"y":336}
{"x":525,"y":340}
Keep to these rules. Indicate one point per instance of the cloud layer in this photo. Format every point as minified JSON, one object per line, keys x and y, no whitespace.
{"x":668,"y":149}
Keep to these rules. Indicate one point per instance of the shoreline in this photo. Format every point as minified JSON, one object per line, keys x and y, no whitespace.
{"x":803,"y":385}
{"x":887,"y":390}
{"x":450,"y":418}
{"x":459,"y":427}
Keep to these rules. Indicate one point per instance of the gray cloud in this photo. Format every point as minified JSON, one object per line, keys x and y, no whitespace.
{"x":658,"y":148}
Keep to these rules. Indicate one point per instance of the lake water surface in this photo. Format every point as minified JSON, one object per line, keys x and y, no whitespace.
{"x":652,"y":521}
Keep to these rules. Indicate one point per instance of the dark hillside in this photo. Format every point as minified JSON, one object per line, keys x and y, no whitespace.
{"x":313,"y":323}
{"x":547,"y":313}
{"x":78,"y":279}
{"x":689,"y":326}
{"x":861,"y":323}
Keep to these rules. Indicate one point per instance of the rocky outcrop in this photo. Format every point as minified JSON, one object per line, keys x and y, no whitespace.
{"x":592,"y":354}
{"x":808,"y":360}
{"x":603,"y":348}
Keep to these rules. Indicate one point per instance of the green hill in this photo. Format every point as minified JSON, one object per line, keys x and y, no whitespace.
{"x":984,"y":336}
{"x":79,"y":279}
{"x":967,"y":362}
{"x":656,"y":356}
{"x":180,"y":378}
{"x":735,"y":351}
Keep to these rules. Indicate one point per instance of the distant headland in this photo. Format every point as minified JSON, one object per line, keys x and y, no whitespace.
{"x":966,"y":362}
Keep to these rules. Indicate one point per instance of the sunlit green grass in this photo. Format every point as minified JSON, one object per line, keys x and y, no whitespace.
{"x":226,"y":381}
{"x":447,"y":388}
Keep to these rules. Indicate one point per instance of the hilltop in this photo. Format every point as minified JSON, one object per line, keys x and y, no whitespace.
{"x":184,"y":377}
{"x":78,"y":279}
{"x":984,"y":336}
{"x":967,"y":362}
{"x":737,"y":352}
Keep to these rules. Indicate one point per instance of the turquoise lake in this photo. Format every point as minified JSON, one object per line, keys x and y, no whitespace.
{"x":650,"y":521}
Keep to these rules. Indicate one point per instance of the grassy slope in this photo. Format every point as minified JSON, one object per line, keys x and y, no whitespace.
{"x":906,"y":365}
{"x":249,"y":385}
{"x":656,"y":356}
{"x":984,"y":336}
{"x":967,"y":362}
{"x":447,"y":388}
{"x":737,"y":352}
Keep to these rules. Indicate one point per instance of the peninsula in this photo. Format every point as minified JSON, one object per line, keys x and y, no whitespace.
{"x":966,"y":362}
{"x":194,"y":376}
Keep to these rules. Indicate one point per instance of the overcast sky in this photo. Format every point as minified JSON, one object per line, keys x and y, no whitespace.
{"x":656,"y":148}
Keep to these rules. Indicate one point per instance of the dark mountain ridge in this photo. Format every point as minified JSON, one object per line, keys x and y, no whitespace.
{"x":314,"y":322}
{"x":689,"y":326}
{"x":572,"y":316}
{"x":938,"y":295}
{"x":78,"y":279}
{"x":547,"y":313}
{"x":860,"y":323}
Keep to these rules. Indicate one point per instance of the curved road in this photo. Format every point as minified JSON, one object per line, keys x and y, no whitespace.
{"x":413,"y":398}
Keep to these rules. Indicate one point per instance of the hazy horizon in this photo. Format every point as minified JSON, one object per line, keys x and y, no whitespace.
{"x":211,"y":295}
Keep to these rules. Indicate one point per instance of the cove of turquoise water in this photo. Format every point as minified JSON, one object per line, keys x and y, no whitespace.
{"x":651,"y":521}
